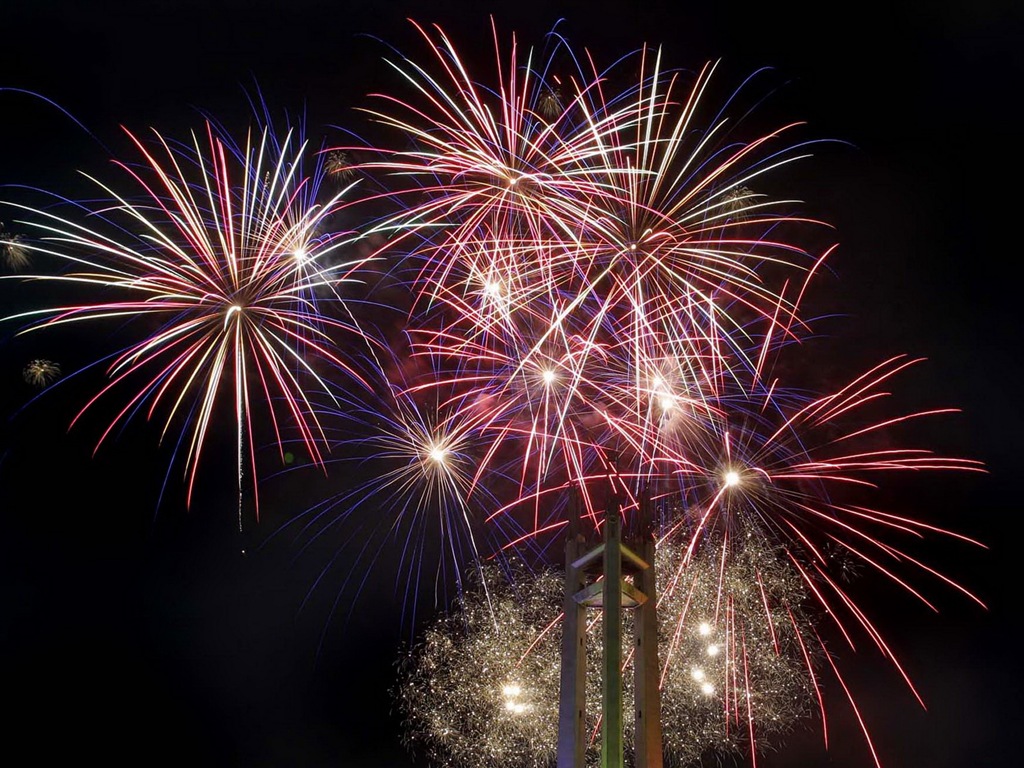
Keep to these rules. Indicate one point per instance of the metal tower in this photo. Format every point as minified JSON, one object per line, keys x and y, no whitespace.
{"x":584,"y":588}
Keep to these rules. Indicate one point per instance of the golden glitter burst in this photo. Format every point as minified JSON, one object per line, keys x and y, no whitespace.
{"x":40,"y":372}
{"x":13,"y":251}
{"x":481,"y":687}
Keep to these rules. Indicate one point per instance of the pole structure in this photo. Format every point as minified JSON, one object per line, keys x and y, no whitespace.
{"x":572,"y":701}
{"x":647,"y":691}
{"x":611,"y":727}
{"x":594,"y":579}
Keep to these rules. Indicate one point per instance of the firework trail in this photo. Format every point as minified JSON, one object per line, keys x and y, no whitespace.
{"x":601,"y":297}
{"x":212,"y":253}
{"x":541,"y":243}
{"x":409,"y":455}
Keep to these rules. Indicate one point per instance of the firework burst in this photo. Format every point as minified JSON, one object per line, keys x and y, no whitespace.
{"x":41,"y":372}
{"x":15,"y":254}
{"x":479,"y":689}
{"x":558,"y":259}
{"x":600,"y":293}
{"x":213,"y":253}
{"x":736,"y":673}
{"x":410,"y":455}
{"x":482,"y":685}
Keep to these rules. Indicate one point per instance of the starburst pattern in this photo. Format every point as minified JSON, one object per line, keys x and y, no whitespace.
{"x":607,"y":303}
{"x":214,"y":253}
{"x":12,"y":247}
{"x":601,"y":290}
{"x":41,"y":372}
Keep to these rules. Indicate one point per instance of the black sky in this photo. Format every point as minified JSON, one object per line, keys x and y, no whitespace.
{"x":130,"y":635}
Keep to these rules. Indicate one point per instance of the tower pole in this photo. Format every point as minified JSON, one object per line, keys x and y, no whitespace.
{"x":611,"y":598}
{"x":647,"y":692}
{"x":610,"y":594}
{"x":572,"y":700}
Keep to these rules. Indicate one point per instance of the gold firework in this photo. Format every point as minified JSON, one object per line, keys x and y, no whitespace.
{"x":40,"y":372}
{"x":482,"y":686}
{"x":12,"y":250}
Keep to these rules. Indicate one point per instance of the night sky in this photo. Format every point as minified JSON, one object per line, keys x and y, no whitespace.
{"x":134,"y":630}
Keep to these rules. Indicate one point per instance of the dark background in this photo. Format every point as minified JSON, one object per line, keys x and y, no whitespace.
{"x":132,"y":632}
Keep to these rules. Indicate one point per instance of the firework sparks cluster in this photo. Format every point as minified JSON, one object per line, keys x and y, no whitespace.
{"x":41,"y":372}
{"x":598,"y":285}
{"x":579,"y":280}
{"x":218,"y":251}
{"x":735,"y":672}
{"x":15,"y":255}
{"x":482,"y":685}
{"x":482,"y":688}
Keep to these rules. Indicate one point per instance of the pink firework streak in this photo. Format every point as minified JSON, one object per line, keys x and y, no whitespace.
{"x":541,"y":242}
{"x":602,"y":295}
{"x":225,"y":249}
{"x":780,"y":473}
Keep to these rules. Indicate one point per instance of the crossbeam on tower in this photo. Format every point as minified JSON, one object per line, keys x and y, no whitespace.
{"x":594,"y":579}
